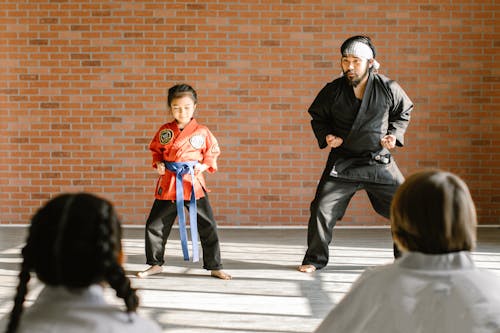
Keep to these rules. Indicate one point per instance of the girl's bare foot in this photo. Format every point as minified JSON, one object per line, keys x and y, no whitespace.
{"x":155,"y":269}
{"x":220,"y":274}
{"x":306,"y":268}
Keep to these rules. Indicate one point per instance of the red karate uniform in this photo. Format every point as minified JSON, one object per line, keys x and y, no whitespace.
{"x":194,"y":143}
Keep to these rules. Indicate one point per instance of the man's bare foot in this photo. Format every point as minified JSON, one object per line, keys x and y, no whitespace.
{"x":306,"y":268}
{"x":155,"y":269}
{"x":220,"y":274}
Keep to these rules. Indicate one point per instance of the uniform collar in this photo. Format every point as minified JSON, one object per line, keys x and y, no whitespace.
{"x":446,"y":261}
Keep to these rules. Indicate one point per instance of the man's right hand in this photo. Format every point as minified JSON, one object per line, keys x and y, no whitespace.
{"x":333,"y":141}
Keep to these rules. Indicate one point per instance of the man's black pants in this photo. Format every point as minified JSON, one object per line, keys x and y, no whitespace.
{"x":329,"y":205}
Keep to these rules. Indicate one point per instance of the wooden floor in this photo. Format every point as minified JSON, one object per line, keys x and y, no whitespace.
{"x":267,"y":293}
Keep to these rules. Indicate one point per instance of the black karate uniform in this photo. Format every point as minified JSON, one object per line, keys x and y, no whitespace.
{"x":360,"y":162}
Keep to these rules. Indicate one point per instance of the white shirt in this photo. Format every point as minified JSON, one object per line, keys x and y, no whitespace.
{"x":420,"y":293}
{"x":58,"y":310}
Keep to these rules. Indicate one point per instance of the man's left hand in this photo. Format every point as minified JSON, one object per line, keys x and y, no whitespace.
{"x":388,"y":141}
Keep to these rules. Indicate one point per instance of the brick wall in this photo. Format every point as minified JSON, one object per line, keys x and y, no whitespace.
{"x":83,"y":90}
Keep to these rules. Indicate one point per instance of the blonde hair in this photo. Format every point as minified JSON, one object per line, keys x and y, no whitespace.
{"x":433,"y":212}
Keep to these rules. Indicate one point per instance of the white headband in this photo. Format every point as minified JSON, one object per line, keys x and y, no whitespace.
{"x":361,"y":50}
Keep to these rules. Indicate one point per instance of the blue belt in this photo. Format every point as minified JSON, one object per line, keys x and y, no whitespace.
{"x":180,"y":169}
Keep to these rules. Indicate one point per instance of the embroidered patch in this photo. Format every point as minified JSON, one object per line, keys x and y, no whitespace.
{"x":166,"y":136}
{"x":197,"y":141}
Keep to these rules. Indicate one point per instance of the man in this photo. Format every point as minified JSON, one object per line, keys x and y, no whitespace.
{"x":360,"y":116}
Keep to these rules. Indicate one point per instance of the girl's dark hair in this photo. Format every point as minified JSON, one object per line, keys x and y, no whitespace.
{"x":359,"y":38}
{"x":74,"y":241}
{"x":181,"y":90}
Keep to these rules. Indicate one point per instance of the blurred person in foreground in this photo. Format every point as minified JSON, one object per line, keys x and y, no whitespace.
{"x":74,"y":247}
{"x":434,"y":286}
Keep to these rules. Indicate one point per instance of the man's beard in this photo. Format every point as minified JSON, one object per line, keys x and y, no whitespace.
{"x":355,"y":81}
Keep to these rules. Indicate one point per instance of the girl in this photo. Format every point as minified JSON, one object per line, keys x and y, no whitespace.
{"x":182,"y":150}
{"x":74,"y":247}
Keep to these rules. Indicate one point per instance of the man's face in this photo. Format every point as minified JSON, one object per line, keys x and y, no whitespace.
{"x":355,"y":69}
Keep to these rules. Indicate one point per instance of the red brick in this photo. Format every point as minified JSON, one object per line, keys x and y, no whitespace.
{"x":84,"y":85}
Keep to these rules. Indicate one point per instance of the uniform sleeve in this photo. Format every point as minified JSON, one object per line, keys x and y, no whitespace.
{"x":212,"y":152}
{"x":400,"y":114}
{"x":319,"y":111}
{"x":156,"y":149}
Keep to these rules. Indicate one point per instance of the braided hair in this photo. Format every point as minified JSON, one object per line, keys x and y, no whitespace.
{"x":74,"y":241}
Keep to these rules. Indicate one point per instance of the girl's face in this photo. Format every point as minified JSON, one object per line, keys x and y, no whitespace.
{"x":182,"y":109}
